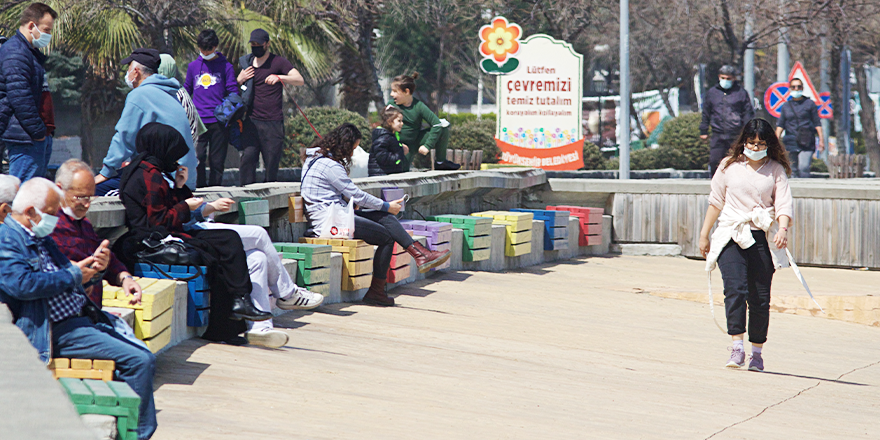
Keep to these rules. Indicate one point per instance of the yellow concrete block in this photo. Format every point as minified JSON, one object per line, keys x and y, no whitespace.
{"x":515,"y":250}
{"x":79,"y":374}
{"x":159,"y":305}
{"x":518,"y":237}
{"x":81,"y":364}
{"x":154,"y":290}
{"x":355,"y":268}
{"x":519,"y":216}
{"x":336,"y":242}
{"x":314,"y":240}
{"x":99,"y":364}
{"x":110,"y":292}
{"x":144,"y":329}
{"x":159,"y":341}
{"x":59,"y":363}
{"x":517,"y":226}
{"x":357,"y":283}
{"x":355,"y":254}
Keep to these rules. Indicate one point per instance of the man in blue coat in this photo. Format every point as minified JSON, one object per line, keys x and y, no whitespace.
{"x":21,"y":86}
{"x":727,"y":107}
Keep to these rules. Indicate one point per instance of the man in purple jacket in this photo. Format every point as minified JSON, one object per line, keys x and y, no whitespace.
{"x":209,"y":79}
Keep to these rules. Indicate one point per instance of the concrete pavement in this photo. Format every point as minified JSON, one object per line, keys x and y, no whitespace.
{"x":570,"y":350}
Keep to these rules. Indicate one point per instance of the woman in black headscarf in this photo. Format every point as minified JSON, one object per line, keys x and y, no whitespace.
{"x":153,"y":197}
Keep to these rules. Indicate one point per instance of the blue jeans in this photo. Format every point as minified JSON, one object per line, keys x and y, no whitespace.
{"x":28,"y":160}
{"x":106,"y":186}
{"x":80,"y":338}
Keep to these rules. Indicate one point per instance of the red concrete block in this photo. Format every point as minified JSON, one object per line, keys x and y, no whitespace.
{"x":400,"y":260}
{"x":399,"y":274}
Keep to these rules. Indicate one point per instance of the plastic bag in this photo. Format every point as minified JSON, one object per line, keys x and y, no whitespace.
{"x":338,"y":223}
{"x":360,"y":162}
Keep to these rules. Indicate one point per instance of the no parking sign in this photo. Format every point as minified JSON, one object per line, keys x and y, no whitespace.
{"x":825,"y":111}
{"x":774,"y":97}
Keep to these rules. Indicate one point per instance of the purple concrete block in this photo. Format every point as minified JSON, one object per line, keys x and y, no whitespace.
{"x":438,"y":226}
{"x":414,"y":225}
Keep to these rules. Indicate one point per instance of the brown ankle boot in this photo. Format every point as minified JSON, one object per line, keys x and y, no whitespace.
{"x":427,"y":259}
{"x":376,"y":295}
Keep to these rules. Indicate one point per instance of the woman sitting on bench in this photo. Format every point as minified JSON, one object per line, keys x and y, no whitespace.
{"x":156,"y":199}
{"x":325,"y":182}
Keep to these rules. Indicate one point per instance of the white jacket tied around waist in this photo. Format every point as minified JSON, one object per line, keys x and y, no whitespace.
{"x":736,"y":225}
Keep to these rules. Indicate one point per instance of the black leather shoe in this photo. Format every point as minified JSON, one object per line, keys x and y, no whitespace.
{"x":238,"y":341}
{"x":445,"y":165}
{"x":243,"y":308}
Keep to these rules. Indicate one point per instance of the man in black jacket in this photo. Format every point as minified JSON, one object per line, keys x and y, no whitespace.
{"x":21,"y":88}
{"x":726,"y":109}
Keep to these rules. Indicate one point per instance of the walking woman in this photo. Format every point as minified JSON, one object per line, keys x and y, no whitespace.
{"x":325,"y":181}
{"x":752,"y":203}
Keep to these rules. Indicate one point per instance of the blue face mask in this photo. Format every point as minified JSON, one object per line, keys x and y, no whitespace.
{"x":46,"y":225}
{"x":725,"y":83}
{"x":41,"y":41}
{"x":796,"y":94}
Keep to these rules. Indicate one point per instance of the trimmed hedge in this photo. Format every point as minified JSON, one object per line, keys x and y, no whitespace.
{"x":593,"y":158}
{"x":476,"y":135}
{"x":682,"y":134}
{"x":299,"y":134}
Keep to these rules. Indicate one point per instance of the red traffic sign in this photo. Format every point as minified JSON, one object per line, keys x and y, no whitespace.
{"x":825,"y":109}
{"x":774,"y":97}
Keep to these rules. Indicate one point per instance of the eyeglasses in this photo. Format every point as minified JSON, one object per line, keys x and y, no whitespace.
{"x":759,"y":146}
{"x":797,"y":87}
{"x":83,"y":199}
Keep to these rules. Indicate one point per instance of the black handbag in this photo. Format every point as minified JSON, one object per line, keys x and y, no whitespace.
{"x":169,"y":251}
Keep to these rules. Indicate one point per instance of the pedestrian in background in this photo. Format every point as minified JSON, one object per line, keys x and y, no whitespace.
{"x":262,"y":81}
{"x":726,"y":109}
{"x":799,"y":119}
{"x":209,"y":80}
{"x":22,"y":78}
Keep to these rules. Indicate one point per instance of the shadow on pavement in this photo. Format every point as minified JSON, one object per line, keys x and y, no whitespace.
{"x":173,"y":366}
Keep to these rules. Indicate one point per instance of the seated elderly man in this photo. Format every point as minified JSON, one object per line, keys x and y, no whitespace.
{"x":77,"y":239}
{"x":44,"y":291}
{"x":8,"y":187}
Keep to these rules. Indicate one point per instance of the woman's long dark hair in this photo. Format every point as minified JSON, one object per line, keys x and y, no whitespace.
{"x":763,"y":130}
{"x":339,"y":143}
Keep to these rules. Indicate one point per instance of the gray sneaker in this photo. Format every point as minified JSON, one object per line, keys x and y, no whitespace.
{"x":756,"y":363}
{"x":737,"y":358}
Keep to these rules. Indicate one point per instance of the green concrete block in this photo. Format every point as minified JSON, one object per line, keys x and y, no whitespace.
{"x":477,"y":242}
{"x":475,"y":254}
{"x":103,"y":394}
{"x":125,"y":396}
{"x":77,"y":391}
{"x":323,"y":288}
{"x":293,"y":256}
{"x":305,"y":277}
{"x":308,"y":248}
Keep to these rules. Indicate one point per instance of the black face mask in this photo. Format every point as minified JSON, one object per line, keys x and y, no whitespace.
{"x":258,"y":51}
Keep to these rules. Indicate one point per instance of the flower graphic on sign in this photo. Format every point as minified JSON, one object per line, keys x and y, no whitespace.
{"x":500,"y":41}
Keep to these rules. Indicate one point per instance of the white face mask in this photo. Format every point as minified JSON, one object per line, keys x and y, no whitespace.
{"x":725,"y":83}
{"x":129,"y":82}
{"x":209,"y":57}
{"x":796,"y":94}
{"x":755,"y":155}
{"x":70,"y":212}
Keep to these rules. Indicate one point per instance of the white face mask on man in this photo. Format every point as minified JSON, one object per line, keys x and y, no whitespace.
{"x":210,"y":56}
{"x":128,"y":81}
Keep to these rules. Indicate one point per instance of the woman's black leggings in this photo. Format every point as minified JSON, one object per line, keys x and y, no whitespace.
{"x":747,"y":274}
{"x":228,"y":277}
{"x":381,"y":229}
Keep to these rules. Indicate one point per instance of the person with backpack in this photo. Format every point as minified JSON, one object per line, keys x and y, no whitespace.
{"x":209,"y":80}
{"x":262,"y":81}
{"x":799,"y":118}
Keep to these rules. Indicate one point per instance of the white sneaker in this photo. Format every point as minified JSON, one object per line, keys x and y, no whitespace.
{"x":267,"y":337}
{"x":301,"y":299}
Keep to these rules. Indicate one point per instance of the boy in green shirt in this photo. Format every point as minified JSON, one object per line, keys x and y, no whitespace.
{"x":435,"y":137}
